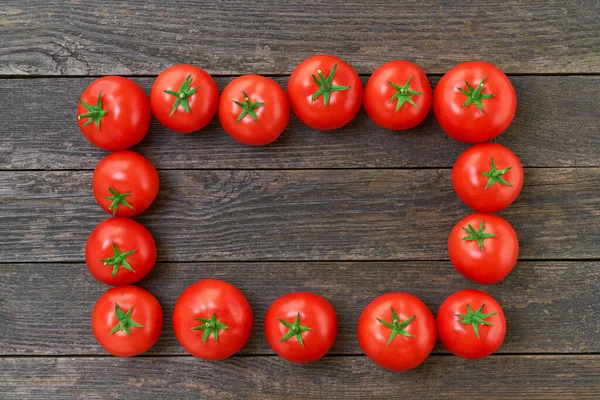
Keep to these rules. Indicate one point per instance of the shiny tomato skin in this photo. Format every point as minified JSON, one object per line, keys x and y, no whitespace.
{"x":499,"y":254}
{"x":127,"y":235}
{"x":343,"y":105}
{"x":271,"y":118}
{"x":315,"y":312}
{"x":146,"y":310}
{"x":379,"y":92}
{"x":460,"y":339}
{"x":125,"y":172}
{"x":467,"y":123}
{"x":202,"y":103}
{"x":127,"y":117}
{"x":403,"y":353}
{"x":203,"y":299}
{"x":470,"y":184}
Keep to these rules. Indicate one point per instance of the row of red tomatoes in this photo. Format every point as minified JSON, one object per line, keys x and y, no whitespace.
{"x":473,"y":102}
{"x":213,"y":320}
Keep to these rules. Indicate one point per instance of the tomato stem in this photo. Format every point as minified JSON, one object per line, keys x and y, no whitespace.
{"x":475,"y":318}
{"x":475,"y":95}
{"x":183,"y":95}
{"x":94,"y":114}
{"x":326,"y":86}
{"x":295,"y":330}
{"x":117,"y":199}
{"x":210,"y":326}
{"x":118,"y":260}
{"x":248,"y":108}
{"x":397,"y":326}
{"x":477,"y":235}
{"x":495,"y":175}
{"x":125,"y":321}
{"x":403,"y":94}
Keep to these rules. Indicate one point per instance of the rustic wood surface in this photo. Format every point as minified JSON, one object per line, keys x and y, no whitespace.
{"x":521,"y":377}
{"x":272,"y":36}
{"x":349,"y":214}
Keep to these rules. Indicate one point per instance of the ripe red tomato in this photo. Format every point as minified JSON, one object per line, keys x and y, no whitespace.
{"x":471,"y":324}
{"x":254,"y":110}
{"x":325,"y":92}
{"x":483,"y":248}
{"x":212,"y":319}
{"x":114,"y":113}
{"x":127,"y":321}
{"x":125,"y":183}
{"x":397,"y":331}
{"x":398,"y":95}
{"x":474,"y":102}
{"x":301,"y":327}
{"x":184,"y":98}
{"x":120,"y":251}
{"x":487,"y":177}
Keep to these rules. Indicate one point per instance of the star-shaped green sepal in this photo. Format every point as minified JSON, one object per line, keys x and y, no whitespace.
{"x":125,"y":321}
{"x":94,"y":113}
{"x":475,"y":318}
{"x":118,"y":260}
{"x":326,"y":86}
{"x":403,"y":94}
{"x":248,"y":108}
{"x":475,"y":95}
{"x":183,"y":95}
{"x":295,"y":330}
{"x":397,"y":326}
{"x":210,"y":326}
{"x":117,"y":199}
{"x":495,"y":175}
{"x":477,"y":235}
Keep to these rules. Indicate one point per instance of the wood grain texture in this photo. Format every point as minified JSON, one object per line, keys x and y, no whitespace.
{"x":272,"y":37}
{"x":298,"y":215}
{"x":500,"y":377}
{"x":555,"y":126}
{"x":551,"y":307}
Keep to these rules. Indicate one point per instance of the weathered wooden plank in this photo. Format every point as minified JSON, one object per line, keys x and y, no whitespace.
{"x":143,"y":37}
{"x":551,"y":307}
{"x":298,"y":215}
{"x":555,"y":125}
{"x":500,"y":377}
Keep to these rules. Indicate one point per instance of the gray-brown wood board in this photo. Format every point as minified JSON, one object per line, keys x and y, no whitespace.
{"x":349,"y":214}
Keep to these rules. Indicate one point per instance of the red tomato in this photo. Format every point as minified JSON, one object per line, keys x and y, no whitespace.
{"x":397,"y":331}
{"x":483,"y":248}
{"x":301,"y":327}
{"x":120,"y":251}
{"x":125,"y":183}
{"x":184,"y":98}
{"x":325,"y":92}
{"x":398,"y":95}
{"x":471,"y":324}
{"x":474,"y":102}
{"x":212,"y":319}
{"x":254,"y":110}
{"x":127,"y":321}
{"x":487,"y":177}
{"x":114,"y":113}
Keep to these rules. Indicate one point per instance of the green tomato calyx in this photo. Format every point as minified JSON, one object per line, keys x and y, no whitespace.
{"x":295,"y":330}
{"x":184,"y":93}
{"x":403,"y":94}
{"x":118,"y":260}
{"x":475,"y":318}
{"x":397,"y":326}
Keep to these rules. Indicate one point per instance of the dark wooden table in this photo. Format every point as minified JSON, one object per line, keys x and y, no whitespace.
{"x":349,"y":214}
